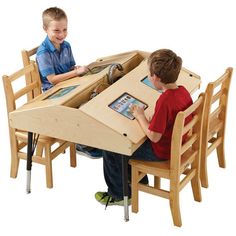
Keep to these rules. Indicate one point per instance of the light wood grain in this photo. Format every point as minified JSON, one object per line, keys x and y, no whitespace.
{"x":76,"y":118}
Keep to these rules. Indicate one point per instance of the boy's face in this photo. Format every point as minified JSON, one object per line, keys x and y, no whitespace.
{"x":57,"y":31}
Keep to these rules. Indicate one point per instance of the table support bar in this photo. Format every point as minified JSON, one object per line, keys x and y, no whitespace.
{"x":125,"y":186}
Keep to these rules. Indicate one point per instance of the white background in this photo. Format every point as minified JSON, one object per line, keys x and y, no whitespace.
{"x":202,"y":33}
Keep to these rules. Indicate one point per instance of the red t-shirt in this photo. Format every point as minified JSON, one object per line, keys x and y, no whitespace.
{"x":167,"y":106}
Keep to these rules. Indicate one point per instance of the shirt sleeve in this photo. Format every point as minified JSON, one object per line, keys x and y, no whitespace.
{"x":160,"y":118}
{"x":45,"y":64}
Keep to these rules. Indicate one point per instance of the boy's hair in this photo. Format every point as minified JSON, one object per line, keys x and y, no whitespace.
{"x":165,"y":64}
{"x":53,"y":13}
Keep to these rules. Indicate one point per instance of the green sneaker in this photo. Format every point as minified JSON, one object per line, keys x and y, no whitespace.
{"x":105,"y":199}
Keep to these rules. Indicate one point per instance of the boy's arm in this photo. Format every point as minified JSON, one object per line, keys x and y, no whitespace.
{"x":55,"y":79}
{"x":138,"y":113}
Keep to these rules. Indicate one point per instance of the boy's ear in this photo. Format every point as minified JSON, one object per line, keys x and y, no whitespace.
{"x":157,"y":78}
{"x":45,"y":28}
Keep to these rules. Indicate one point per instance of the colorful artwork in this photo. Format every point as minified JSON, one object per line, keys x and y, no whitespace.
{"x":124,"y":102}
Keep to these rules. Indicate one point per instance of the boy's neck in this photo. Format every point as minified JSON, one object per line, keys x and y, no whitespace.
{"x":170,"y":86}
{"x":57,"y":46}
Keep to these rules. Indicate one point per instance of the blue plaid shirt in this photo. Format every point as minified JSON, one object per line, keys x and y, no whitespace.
{"x":51,"y":61}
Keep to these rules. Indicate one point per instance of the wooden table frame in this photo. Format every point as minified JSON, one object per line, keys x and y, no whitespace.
{"x":94,"y":118}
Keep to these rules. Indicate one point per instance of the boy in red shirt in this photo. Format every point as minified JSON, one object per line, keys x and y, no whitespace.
{"x":164,"y":66}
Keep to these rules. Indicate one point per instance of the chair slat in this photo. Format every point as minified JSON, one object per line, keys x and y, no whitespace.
{"x":190,"y":124}
{"x":192,"y":108}
{"x":187,"y":178}
{"x":25,"y":90}
{"x":22,"y":72}
{"x":189,"y":143}
{"x":157,"y":192}
{"x":217,"y":96}
{"x":214,"y":115}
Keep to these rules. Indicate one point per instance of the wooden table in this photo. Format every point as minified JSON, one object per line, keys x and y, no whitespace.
{"x":74,"y":117}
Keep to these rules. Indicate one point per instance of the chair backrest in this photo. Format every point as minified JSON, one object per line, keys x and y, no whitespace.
{"x":33,"y":88}
{"x":216,"y":105}
{"x":27,"y":57}
{"x":186,"y":137}
{"x":27,"y":54}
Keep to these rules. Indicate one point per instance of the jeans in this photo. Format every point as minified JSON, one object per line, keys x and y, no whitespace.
{"x":112,"y":167}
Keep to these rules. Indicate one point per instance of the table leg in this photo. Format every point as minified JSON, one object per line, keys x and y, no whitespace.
{"x":29,"y":161}
{"x":125,"y":186}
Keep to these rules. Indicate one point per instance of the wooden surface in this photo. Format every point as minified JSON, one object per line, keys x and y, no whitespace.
{"x":94,"y":123}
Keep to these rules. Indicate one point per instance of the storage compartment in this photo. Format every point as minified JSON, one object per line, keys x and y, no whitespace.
{"x":105,"y":72}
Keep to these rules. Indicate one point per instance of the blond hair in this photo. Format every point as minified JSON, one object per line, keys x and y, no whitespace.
{"x":53,"y":14}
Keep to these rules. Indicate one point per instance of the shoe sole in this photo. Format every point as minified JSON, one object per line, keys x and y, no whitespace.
{"x":115,"y":203}
{"x":120,"y":203}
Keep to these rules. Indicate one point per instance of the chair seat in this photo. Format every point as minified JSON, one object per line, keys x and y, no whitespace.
{"x":163,"y":167}
{"x":152,"y":166}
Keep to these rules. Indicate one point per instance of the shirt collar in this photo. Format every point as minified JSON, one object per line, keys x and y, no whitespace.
{"x":50,"y":45}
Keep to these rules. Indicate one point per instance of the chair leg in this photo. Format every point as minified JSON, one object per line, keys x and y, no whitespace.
{"x":14,"y":165}
{"x":73,"y":162}
{"x":174,"y":205}
{"x":157,"y":182}
{"x":221,"y":155}
{"x":39,"y":150}
{"x":134,"y":190}
{"x":14,"y":158}
{"x":203,"y":171}
{"x":196,"y":188}
{"x":48,"y":165}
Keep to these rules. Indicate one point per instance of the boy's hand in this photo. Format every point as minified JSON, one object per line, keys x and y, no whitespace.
{"x":81,"y":70}
{"x":149,"y":119}
{"x":137,"y":111}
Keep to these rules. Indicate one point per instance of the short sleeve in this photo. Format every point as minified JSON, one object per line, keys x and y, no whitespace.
{"x":160,"y":118}
{"x":45,"y":64}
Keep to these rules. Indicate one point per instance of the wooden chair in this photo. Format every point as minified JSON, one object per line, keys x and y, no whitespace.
{"x":214,"y":122}
{"x":18,"y":138}
{"x":182,"y":168}
{"x":27,"y":56}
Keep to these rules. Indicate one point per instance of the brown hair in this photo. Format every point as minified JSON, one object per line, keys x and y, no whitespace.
{"x":165,"y":64}
{"x":53,"y":13}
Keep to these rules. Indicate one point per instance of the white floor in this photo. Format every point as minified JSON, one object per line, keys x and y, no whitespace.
{"x":70,"y":207}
